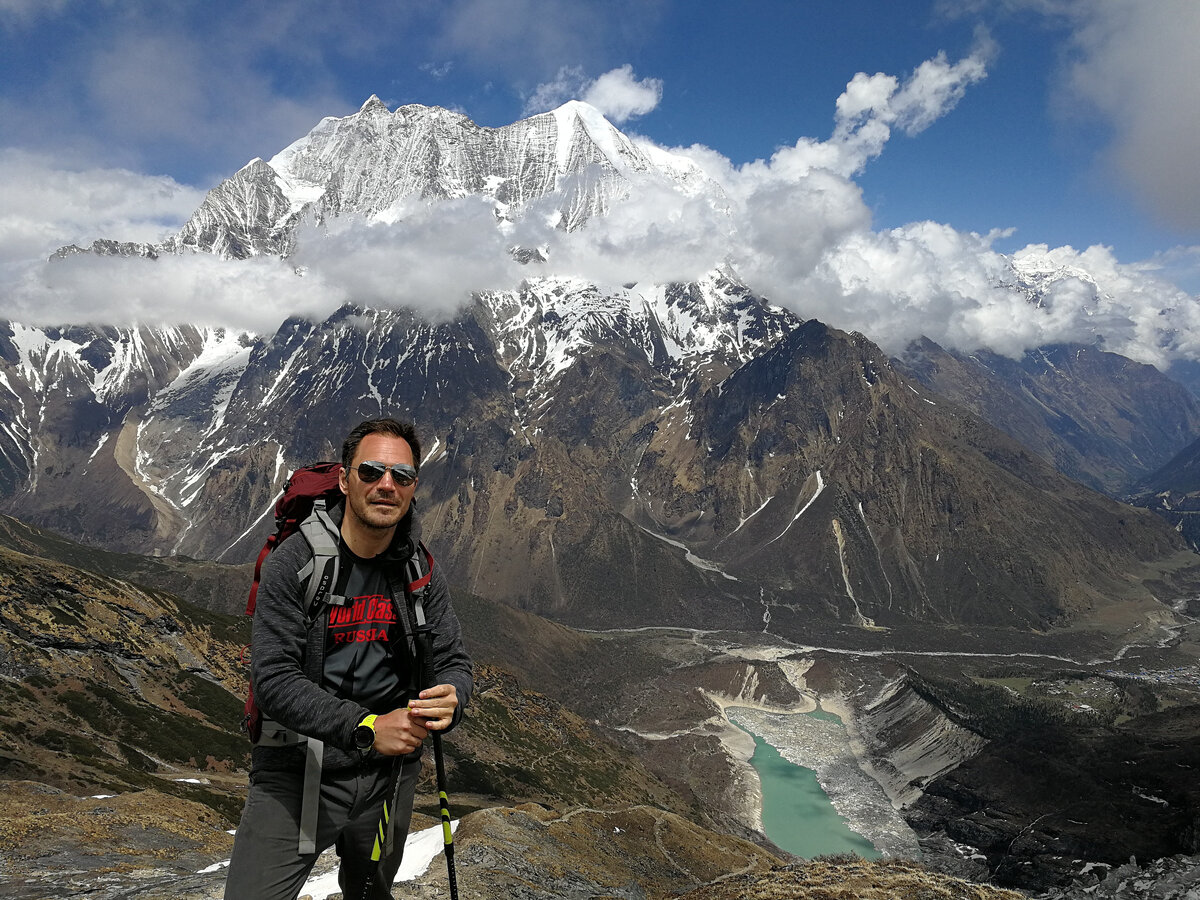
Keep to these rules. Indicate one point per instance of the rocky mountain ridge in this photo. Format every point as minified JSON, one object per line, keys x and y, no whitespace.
{"x":704,"y":432}
{"x":655,"y":453}
{"x":375,"y":162}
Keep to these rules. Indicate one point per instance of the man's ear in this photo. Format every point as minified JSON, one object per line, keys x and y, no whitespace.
{"x":343,"y":483}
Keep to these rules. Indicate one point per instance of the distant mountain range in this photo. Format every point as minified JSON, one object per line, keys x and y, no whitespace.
{"x":683,"y":453}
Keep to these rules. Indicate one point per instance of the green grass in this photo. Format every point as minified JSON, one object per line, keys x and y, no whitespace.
{"x":211,"y":699}
{"x":169,"y":736}
{"x":68,"y":742}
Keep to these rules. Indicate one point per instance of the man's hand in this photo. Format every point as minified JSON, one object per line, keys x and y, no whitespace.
{"x":399,"y":733}
{"x":435,"y":707}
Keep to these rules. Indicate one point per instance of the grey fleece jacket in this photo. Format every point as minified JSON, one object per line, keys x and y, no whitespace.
{"x":286,"y":658}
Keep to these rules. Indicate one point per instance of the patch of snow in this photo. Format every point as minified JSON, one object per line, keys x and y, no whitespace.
{"x":100,"y":446}
{"x":696,"y":561}
{"x":803,"y":510}
{"x":420,"y":850}
{"x":746,"y":519}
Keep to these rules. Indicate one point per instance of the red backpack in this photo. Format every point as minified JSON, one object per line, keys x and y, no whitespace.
{"x":306,"y":485}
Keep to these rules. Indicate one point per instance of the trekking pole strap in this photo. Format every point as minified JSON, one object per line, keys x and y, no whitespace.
{"x":311,"y":799}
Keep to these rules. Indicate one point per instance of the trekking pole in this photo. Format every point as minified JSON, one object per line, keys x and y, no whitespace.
{"x":424,"y":637}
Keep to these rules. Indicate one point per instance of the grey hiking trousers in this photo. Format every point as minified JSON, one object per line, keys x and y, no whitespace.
{"x":266,"y":862}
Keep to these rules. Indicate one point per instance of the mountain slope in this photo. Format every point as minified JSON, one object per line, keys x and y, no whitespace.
{"x":1098,"y":417}
{"x":1173,"y":492}
{"x":695,"y":458}
{"x":109,"y":685}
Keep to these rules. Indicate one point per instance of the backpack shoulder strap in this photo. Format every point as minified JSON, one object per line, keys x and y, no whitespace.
{"x":319,"y":575}
{"x":418,"y":572}
{"x":408,"y":584}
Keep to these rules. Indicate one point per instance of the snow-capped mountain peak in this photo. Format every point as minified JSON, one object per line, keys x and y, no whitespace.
{"x":1038,"y":273}
{"x":579,"y":123}
{"x":374,"y":161}
{"x":373,"y":104}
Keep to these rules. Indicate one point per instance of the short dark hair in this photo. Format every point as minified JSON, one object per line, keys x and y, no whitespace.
{"x":381,"y":426}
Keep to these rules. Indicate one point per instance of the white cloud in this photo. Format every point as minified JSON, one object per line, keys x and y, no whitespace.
{"x":617,"y":94}
{"x":1138,"y":65}
{"x":801,"y":234}
{"x":872,"y":105}
{"x":255,"y":294}
{"x":431,"y":258}
{"x":928,"y":279}
{"x":569,"y":84}
{"x":1178,"y":265}
{"x":936,"y":86}
{"x":438,"y":70}
{"x":620,"y":96}
{"x":788,"y":213}
{"x":655,"y":235}
{"x":48,"y":205}
{"x":785,"y":226}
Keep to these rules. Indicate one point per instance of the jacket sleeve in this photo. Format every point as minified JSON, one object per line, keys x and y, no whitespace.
{"x":282,"y":690}
{"x":451,"y":662}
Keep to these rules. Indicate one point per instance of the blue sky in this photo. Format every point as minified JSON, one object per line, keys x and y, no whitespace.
{"x":1081,"y":127}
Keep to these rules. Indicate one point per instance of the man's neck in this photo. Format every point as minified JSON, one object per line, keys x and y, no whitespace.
{"x":366,"y":543}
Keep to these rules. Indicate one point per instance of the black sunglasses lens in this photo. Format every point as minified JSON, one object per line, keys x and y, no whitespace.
{"x":402,"y":475}
{"x":369,"y":472}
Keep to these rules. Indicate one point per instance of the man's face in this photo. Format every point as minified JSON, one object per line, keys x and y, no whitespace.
{"x":383,"y":503}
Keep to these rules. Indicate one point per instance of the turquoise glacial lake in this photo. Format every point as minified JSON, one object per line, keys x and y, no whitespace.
{"x":797,"y":814}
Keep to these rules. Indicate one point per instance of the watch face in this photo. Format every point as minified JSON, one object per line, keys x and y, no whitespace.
{"x":364,"y":737}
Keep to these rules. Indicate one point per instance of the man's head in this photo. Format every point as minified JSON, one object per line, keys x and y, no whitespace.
{"x":378,"y":458}
{"x":381,"y":426}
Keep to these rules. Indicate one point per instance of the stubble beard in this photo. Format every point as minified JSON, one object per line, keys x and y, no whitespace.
{"x":375,"y":518}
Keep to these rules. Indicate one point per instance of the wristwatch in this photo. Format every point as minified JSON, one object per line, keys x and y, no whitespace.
{"x":364,"y":733}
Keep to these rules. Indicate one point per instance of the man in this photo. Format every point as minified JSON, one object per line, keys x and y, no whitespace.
{"x":344,"y":684}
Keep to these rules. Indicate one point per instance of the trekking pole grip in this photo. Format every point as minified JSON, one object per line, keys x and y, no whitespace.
{"x":424,"y":638}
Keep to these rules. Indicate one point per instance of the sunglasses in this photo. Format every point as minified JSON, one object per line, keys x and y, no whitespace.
{"x":371,"y":471}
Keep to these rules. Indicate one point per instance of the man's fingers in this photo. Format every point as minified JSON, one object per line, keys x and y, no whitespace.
{"x":436,"y":702}
{"x":434,"y":713}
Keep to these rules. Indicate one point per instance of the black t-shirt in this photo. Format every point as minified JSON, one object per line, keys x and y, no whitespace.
{"x":367,"y":658}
